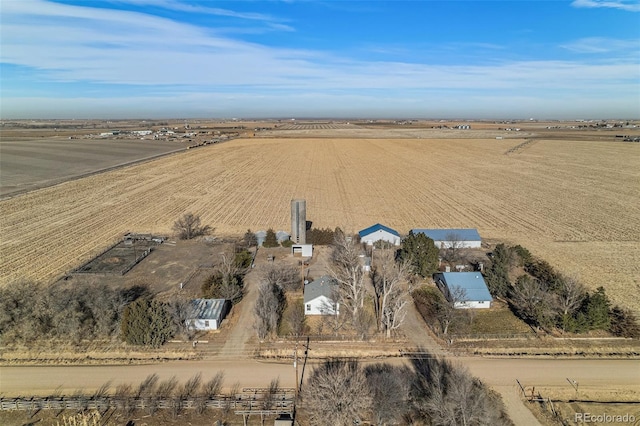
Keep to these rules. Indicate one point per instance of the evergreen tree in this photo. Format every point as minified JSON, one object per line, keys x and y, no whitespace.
{"x":497,"y":274}
{"x":146,"y":322}
{"x":421,"y":253}
{"x":597,"y":310}
{"x":497,"y":277}
{"x":270,"y":240}
{"x":250,"y":239}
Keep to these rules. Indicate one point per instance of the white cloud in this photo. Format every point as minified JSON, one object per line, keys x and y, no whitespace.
{"x":630,"y":6}
{"x":64,"y":43}
{"x":71,"y":43}
{"x":190,"y":8}
{"x":602,"y":45}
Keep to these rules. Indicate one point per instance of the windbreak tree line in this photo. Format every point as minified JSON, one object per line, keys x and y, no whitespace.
{"x":85,"y":311}
{"x":547,"y":299}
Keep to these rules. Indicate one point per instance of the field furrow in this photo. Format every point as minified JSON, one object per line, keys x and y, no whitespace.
{"x":573,"y":202}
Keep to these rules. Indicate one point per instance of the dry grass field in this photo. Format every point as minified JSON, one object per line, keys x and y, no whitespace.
{"x":573,"y":202}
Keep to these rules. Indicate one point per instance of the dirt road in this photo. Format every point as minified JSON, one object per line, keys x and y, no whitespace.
{"x":590,"y":373}
{"x":600,"y":375}
{"x":243,"y":330}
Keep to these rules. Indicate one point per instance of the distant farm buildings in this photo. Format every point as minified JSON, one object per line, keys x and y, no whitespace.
{"x":379,"y":232}
{"x":464,"y":289}
{"x":207,"y":314}
{"x":452,"y":238}
{"x":261,"y":236}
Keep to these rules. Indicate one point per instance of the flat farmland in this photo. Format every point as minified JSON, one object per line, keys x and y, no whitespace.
{"x":30,"y":163}
{"x":572,"y":202}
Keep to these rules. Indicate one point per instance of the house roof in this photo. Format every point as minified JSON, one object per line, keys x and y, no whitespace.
{"x":206,"y":308}
{"x":323,"y":286}
{"x":377,"y":227}
{"x":470,"y":234}
{"x":471,"y":282}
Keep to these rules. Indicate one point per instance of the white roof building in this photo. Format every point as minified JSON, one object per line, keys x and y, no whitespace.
{"x":452,"y":238}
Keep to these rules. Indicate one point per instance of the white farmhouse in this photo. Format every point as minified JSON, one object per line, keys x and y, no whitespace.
{"x":320,"y":297}
{"x":452,"y":238}
{"x":207,"y":314}
{"x":379,"y":232}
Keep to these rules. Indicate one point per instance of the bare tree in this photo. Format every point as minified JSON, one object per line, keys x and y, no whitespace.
{"x":166,"y":387}
{"x":268,"y":309}
{"x":180,"y":311}
{"x":447,"y":310}
{"x":452,"y":248}
{"x":391,"y":291}
{"x":389,"y":387}
{"x":191,"y":386}
{"x":347,"y":270}
{"x":283,"y":275}
{"x":212,"y":387}
{"x":570,"y":296}
{"x":189,"y":226}
{"x":449,"y":395}
{"x":336,"y":394}
{"x":532,"y":302}
{"x":250,"y":239}
{"x":297,"y":319}
{"x":227,"y":280}
{"x":269,"y":397}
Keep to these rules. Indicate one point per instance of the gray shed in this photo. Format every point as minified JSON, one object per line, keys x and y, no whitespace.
{"x":207,"y":314}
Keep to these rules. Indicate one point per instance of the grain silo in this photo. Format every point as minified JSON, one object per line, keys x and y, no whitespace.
{"x":298,"y":221}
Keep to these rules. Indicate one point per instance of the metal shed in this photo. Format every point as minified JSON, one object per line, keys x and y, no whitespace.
{"x":207,"y":314}
{"x":447,"y":238}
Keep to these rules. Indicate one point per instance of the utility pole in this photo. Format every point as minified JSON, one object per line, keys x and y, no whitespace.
{"x":295,"y":365}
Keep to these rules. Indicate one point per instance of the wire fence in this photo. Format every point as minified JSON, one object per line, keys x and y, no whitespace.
{"x":276,"y":402}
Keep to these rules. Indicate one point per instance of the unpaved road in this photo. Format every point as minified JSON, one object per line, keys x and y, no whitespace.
{"x":590,"y":373}
{"x":603,"y":375}
{"x":236,"y":344}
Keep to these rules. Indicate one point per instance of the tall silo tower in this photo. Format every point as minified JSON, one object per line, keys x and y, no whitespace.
{"x":298,"y":221}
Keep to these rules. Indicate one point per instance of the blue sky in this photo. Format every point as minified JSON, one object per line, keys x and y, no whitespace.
{"x":352,"y":59}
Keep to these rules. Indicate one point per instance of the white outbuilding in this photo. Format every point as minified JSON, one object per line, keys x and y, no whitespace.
{"x":303,"y":250}
{"x":207,"y":314}
{"x":452,"y":238}
{"x":379,"y":232}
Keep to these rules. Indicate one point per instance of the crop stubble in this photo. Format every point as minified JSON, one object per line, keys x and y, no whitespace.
{"x":575,"y":203}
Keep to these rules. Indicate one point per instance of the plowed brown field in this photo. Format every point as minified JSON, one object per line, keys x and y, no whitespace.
{"x":575,"y":203}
